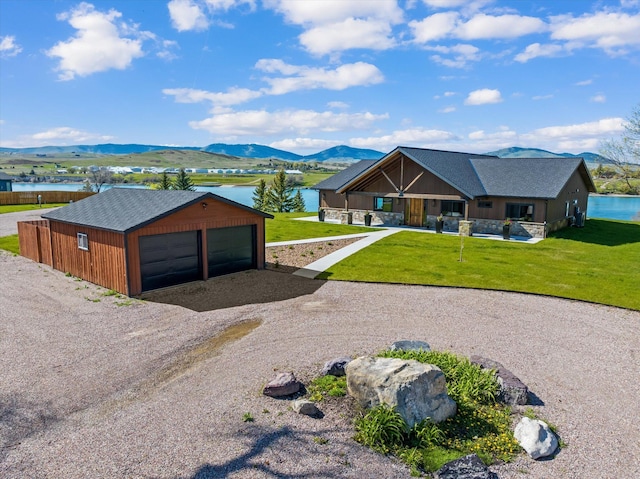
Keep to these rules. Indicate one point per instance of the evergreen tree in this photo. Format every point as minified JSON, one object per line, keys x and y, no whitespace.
{"x":298,"y":202}
{"x":183,"y":181}
{"x":165,"y":182}
{"x":279,"y":195}
{"x":260,"y":196}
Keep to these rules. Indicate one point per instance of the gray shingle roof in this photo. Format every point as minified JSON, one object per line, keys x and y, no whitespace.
{"x":4,"y":176}
{"x":127,"y":209}
{"x":336,"y":181}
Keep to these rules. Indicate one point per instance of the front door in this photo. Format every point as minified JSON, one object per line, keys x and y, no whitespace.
{"x":415,"y":216}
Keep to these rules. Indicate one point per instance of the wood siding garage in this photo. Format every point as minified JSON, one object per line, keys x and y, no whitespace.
{"x":169,"y":259}
{"x":135,"y":240}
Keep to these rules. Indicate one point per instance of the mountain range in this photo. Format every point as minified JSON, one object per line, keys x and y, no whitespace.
{"x":340,"y":153}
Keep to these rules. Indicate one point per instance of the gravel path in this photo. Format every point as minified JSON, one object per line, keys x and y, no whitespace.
{"x":8,"y":221}
{"x":100,"y":386}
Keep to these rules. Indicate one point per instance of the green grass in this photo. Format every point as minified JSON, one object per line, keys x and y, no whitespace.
{"x":284,"y":228}
{"x":323,"y":386}
{"x":10,"y":243}
{"x":598,"y":263}
{"x":16,"y":208}
{"x":480,"y":425}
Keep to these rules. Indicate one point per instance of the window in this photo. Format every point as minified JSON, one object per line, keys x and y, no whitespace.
{"x":519,"y":211}
{"x":452,"y":208}
{"x":485,"y":204}
{"x":382,"y":204}
{"x":83,"y":241}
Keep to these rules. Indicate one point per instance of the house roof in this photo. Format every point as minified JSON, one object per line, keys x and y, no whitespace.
{"x":4,"y":176}
{"x":127,"y":209}
{"x":336,"y":181}
{"x":477,"y":175}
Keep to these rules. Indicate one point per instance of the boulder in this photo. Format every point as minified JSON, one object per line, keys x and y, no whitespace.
{"x":467,"y":467}
{"x":306,"y":407}
{"x":284,"y":384}
{"x":512,"y":390}
{"x":535,"y":437}
{"x":335,"y":367}
{"x":408,"y":345}
{"x":417,"y":390}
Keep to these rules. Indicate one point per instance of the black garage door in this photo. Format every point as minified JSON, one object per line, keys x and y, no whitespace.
{"x":231,"y":249}
{"x":169,"y":259}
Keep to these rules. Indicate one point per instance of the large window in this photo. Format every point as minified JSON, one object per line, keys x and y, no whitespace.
{"x":383,"y":204}
{"x":452,"y":208}
{"x":519,"y":211}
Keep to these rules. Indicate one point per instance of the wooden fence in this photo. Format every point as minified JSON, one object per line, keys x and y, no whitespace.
{"x":31,"y":197}
{"x":35,"y":241}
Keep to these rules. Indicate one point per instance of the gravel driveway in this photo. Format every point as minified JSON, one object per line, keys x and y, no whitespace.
{"x":8,"y":221}
{"x":99,"y":386}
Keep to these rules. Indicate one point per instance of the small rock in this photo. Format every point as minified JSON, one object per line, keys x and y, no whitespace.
{"x":535,"y":437}
{"x":467,"y":467}
{"x":306,"y":407}
{"x":284,"y":384}
{"x":408,"y":345}
{"x":335,"y":367}
{"x":512,"y":390}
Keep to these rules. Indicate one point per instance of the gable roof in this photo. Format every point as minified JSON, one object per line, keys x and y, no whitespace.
{"x":476,"y":175}
{"x":127,"y":209}
{"x":4,"y":176}
{"x":336,"y":181}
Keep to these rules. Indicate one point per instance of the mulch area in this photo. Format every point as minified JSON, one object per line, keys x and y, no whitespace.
{"x":293,"y":257}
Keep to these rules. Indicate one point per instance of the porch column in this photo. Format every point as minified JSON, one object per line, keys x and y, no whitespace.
{"x":466,"y":210}
{"x":346,"y":201}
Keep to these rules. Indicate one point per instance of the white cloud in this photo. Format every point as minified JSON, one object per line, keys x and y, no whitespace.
{"x":449,"y":93}
{"x":347,"y":34}
{"x":63,"y":135}
{"x":317,"y":12}
{"x":612,"y":32}
{"x":598,"y":99}
{"x":444,"y":3}
{"x":9,"y":47}
{"x":538,"y":50}
{"x":338,"y":105}
{"x":578,"y":137}
{"x":166,"y":50}
{"x":448,"y":109}
{"x":434,"y":27}
{"x":297,"y":144}
{"x":264,"y":123}
{"x":233,"y":96}
{"x":462,"y":54}
{"x":584,"y":83}
{"x":307,"y":78}
{"x":483,"y":26}
{"x":187,"y":15}
{"x":99,"y":44}
{"x":419,"y":137}
{"x":483,"y":96}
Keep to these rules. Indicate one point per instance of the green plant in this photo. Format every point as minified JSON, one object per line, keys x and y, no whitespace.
{"x":247,"y":417}
{"x":333,"y":386}
{"x":320,"y":440}
{"x":10,"y":243}
{"x":382,"y":429}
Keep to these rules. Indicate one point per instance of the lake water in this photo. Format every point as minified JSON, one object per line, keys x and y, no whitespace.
{"x":610,"y":207}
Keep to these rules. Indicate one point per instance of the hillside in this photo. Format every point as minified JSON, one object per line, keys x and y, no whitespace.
{"x":592,"y":159}
{"x":252,"y":151}
{"x":345,"y":153}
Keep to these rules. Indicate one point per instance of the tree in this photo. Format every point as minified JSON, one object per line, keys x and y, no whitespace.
{"x":183,"y":181}
{"x":298,"y":202}
{"x":279,"y":195}
{"x":98,"y":177}
{"x":165,"y":182}
{"x":260,"y":196}
{"x":624,"y":153}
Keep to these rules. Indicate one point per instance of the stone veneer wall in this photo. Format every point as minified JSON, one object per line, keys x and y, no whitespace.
{"x":377,"y":217}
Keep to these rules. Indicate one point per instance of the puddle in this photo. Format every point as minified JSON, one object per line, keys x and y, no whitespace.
{"x":186,"y":360}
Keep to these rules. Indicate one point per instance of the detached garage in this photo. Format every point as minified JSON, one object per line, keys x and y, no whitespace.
{"x":135,"y":240}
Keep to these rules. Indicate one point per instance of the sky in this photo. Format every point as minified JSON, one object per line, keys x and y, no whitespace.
{"x":306,"y":75}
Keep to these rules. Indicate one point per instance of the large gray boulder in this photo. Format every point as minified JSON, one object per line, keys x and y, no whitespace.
{"x":410,"y":345}
{"x":512,"y":390}
{"x":535,"y":437}
{"x":284,"y":384}
{"x":417,"y":390}
{"x":335,"y":367}
{"x":467,"y":467}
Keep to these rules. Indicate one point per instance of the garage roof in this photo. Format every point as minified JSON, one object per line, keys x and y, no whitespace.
{"x":127,"y":209}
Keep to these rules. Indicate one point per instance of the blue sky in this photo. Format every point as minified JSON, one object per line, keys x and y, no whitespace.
{"x":305,"y":75}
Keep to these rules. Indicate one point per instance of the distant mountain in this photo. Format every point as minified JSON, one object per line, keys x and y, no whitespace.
{"x":252,"y":151}
{"x":104,"y":149}
{"x":517,"y":152}
{"x":345,"y":153}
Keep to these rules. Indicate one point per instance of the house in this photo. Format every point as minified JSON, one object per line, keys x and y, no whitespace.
{"x":412,"y":186}
{"x":5,"y":182}
{"x":135,"y":240}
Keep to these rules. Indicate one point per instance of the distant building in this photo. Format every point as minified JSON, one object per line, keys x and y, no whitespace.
{"x":5,"y":182}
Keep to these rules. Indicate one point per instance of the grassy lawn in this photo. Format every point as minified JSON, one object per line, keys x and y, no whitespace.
{"x":284,"y":228}
{"x":598,"y":263}
{"x":15,"y":208}
{"x":10,"y":243}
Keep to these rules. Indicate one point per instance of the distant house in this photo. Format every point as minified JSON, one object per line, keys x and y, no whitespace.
{"x":135,"y":240}
{"x":412,"y":186}
{"x":5,"y":182}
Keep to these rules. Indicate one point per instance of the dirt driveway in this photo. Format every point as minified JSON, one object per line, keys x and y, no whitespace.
{"x":93,"y":385}
{"x":8,"y":221}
